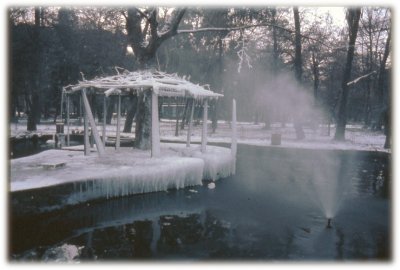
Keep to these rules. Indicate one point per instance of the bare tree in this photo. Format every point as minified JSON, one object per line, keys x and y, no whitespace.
{"x":33,"y":101}
{"x":298,"y":71}
{"x":145,"y":42}
{"x":353,"y":17}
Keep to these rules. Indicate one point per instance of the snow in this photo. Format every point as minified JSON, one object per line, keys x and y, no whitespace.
{"x":112,"y":91}
{"x":163,"y":84}
{"x":64,"y":253}
{"x":129,"y":171}
{"x":357,"y":138}
{"x":218,"y":161}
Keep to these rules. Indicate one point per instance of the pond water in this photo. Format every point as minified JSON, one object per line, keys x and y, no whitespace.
{"x":274,"y":209}
{"x":25,"y":147}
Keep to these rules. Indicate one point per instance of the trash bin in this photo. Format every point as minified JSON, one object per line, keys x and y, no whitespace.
{"x":59,"y":127}
{"x":275,"y":139}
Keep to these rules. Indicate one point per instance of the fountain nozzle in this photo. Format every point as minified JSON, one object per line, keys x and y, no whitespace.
{"x":328,"y":226}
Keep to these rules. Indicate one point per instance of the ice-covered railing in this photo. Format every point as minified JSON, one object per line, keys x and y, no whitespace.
{"x":163,"y":84}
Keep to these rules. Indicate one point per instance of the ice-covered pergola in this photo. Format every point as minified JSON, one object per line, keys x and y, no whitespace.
{"x":159,"y":83}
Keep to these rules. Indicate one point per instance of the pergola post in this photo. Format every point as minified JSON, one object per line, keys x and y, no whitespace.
{"x":68,"y":122}
{"x":234,"y":129}
{"x":189,"y":133}
{"x":62,"y":103}
{"x":104,"y":120}
{"x":89,"y":115}
{"x":155,"y":126}
{"x":176,"y":118}
{"x":80,"y":110}
{"x":86,"y":146}
{"x":118,"y":139}
{"x":204,"y":130}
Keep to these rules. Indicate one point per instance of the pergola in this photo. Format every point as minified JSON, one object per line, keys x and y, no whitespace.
{"x":159,"y":83}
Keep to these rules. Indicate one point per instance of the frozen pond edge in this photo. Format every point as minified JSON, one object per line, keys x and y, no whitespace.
{"x":126,"y":172}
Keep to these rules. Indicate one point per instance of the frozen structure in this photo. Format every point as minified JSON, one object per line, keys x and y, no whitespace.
{"x":125,"y":171}
{"x":159,"y":83}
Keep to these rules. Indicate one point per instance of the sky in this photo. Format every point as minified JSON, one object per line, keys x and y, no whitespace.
{"x":337,"y":13}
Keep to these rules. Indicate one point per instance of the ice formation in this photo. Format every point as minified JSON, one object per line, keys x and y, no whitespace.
{"x":163,"y":84}
{"x":175,"y":174}
{"x":64,"y":253}
{"x":121,"y":173}
{"x":218,"y":161}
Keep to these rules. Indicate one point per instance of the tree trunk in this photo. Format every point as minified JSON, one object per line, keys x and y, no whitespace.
{"x":267,"y":120}
{"x":275,"y":42}
{"x":275,"y":68}
{"x":353,"y":17}
{"x":214,"y":118}
{"x":145,"y":54}
{"x":93,"y":105}
{"x":110,"y":109}
{"x":382,"y":99}
{"x":316,"y":78}
{"x":184,"y":115}
{"x":297,"y":71}
{"x":131,"y":113}
{"x":367,"y":106}
{"x":143,"y":121}
{"x":388,"y":130}
{"x":214,"y":112}
{"x":34,"y":110}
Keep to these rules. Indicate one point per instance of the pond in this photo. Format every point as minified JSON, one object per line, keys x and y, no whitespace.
{"x":274,"y":209}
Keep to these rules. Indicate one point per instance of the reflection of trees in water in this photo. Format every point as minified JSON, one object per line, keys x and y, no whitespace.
{"x":382,"y":246}
{"x":140,"y":235}
{"x":373,"y":175}
{"x":177,"y":232}
{"x":199,"y":234}
{"x":120,"y":242}
{"x":362,"y":245}
{"x":339,"y":244}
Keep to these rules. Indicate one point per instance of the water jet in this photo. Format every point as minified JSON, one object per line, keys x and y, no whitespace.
{"x":329,"y":226}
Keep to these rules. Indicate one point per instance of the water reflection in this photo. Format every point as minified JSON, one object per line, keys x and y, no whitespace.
{"x":170,"y":236}
{"x":268,"y":211}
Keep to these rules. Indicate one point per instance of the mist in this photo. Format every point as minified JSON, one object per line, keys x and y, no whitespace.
{"x":265,"y":97}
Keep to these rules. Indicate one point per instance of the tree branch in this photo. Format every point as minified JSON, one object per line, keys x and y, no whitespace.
{"x":171,"y":26}
{"x":360,"y":78}
{"x":238,"y":28}
{"x":152,"y":19}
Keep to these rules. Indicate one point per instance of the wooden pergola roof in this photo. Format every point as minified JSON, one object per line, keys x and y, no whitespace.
{"x":161,"y":83}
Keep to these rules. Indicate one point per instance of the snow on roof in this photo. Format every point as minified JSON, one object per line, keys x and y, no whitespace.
{"x":163,"y":84}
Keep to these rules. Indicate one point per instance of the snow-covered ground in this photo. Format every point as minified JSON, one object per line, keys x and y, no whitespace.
{"x":132,"y":171}
{"x":357,"y":138}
